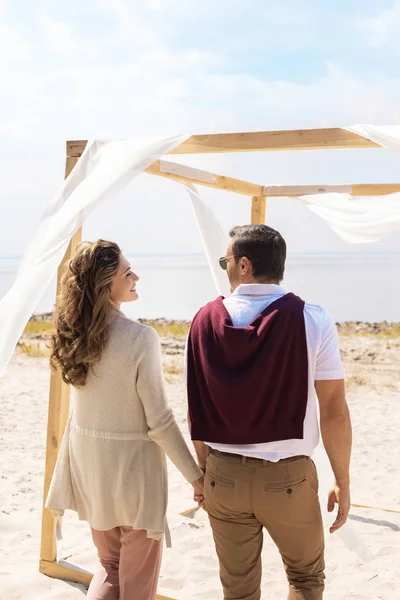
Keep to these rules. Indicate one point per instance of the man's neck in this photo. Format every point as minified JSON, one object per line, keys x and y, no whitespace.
{"x":254,"y":281}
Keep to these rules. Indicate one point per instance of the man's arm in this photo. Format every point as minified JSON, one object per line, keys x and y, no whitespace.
{"x":200,"y":448}
{"x":337,"y":437}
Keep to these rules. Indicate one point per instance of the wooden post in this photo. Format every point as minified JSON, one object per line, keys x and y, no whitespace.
{"x":57,"y":416}
{"x":258,"y":206}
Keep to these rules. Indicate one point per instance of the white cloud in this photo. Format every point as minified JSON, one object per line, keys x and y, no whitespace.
{"x":123,"y":31}
{"x":14,"y":47}
{"x":73,"y":81}
{"x":383,"y":28}
{"x":59,"y":38}
{"x":162,"y":5}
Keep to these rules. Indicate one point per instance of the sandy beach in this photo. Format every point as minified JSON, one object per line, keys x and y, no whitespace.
{"x":190,"y":569}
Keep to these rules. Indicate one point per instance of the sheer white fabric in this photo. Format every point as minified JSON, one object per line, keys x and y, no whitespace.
{"x":360,"y":220}
{"x":215,"y":240}
{"x":102,"y":171}
{"x":387,"y":136}
{"x":357,"y":220}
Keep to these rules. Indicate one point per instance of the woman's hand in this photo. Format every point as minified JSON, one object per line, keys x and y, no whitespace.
{"x":198,"y":488}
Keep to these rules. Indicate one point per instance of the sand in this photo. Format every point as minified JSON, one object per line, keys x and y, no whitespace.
{"x":190,"y":568}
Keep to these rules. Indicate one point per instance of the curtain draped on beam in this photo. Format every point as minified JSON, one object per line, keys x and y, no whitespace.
{"x":215,"y":239}
{"x":104,"y":169}
{"x":359,"y":220}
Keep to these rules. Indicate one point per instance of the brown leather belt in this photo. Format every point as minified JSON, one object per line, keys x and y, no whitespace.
{"x":245,"y":459}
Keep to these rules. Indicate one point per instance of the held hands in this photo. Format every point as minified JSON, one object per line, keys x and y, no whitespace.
{"x":198,"y":488}
{"x":341,"y":496}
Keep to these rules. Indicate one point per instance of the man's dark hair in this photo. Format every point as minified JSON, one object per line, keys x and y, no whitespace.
{"x":264,"y":247}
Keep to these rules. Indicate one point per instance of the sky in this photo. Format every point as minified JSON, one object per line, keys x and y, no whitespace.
{"x":119,"y":68}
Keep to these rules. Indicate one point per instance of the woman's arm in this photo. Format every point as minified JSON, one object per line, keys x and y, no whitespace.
{"x":163,"y":428}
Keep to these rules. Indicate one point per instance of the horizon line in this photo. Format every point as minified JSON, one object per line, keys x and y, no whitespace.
{"x":203,"y":254}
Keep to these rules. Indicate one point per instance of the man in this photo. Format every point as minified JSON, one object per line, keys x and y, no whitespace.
{"x":254,"y":363}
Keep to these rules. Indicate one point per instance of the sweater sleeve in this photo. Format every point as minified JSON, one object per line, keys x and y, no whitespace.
{"x":163,"y":428}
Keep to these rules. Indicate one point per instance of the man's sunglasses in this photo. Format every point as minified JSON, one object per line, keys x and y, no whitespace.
{"x":223,"y":262}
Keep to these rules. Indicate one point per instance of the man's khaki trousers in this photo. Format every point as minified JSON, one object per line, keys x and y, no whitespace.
{"x":244,"y":495}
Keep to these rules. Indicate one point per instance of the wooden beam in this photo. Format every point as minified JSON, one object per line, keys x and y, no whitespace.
{"x":357,"y":189}
{"x":239,"y":186}
{"x":198,"y":177}
{"x":302,"y":190}
{"x":75,"y":148}
{"x":65,"y":571}
{"x":57,"y":414}
{"x":260,"y":141}
{"x":70,"y":162}
{"x":68,"y":572}
{"x":374,"y":189}
{"x":258,"y":206}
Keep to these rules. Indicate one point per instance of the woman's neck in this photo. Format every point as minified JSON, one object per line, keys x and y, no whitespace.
{"x":115,"y":305}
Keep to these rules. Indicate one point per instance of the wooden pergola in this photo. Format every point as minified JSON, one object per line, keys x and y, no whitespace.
{"x":312,"y":139}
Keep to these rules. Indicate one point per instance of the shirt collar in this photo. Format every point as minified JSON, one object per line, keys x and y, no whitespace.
{"x":259,"y":289}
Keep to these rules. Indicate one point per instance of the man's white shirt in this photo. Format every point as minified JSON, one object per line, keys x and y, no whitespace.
{"x":324,"y":363}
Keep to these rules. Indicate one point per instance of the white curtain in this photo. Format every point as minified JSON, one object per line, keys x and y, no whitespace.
{"x":106,"y":167}
{"x":215,"y":240}
{"x":360,"y":220}
{"x":357,"y":220}
{"x":102,"y":171}
{"x":387,"y":136}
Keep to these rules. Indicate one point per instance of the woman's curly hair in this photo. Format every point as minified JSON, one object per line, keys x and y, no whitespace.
{"x":82,"y":309}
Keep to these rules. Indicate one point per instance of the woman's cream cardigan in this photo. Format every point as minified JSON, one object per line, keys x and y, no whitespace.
{"x":111,"y":468}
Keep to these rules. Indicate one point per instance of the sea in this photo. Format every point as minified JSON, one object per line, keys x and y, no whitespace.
{"x":352,"y":286}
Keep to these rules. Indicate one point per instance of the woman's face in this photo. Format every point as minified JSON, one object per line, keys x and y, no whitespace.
{"x":123,"y":286}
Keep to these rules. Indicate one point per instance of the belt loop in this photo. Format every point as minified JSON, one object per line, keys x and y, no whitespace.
{"x":244,"y":460}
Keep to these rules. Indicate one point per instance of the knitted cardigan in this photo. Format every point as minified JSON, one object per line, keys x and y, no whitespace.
{"x":111,"y":467}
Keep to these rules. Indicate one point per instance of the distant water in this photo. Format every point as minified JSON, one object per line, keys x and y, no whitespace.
{"x":357,"y":286}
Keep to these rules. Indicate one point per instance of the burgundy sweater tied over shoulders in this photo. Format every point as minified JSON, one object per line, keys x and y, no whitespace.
{"x":248,"y":385}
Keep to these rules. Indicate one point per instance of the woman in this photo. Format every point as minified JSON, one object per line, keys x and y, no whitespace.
{"x":111,"y":468}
